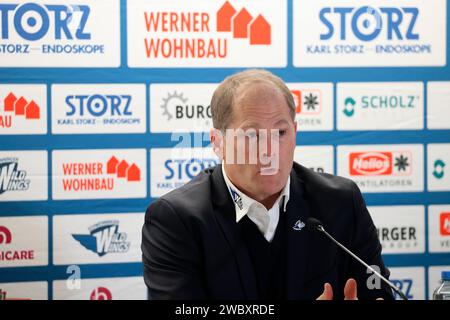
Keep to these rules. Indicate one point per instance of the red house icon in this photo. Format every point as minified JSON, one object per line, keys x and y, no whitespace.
{"x":20,"y":106}
{"x":260,"y":31}
{"x":240,"y":24}
{"x":10,"y":100}
{"x":111,"y":166}
{"x":134,"y":173}
{"x":224,"y":15}
{"x":32,"y":111}
{"x":122,"y":169}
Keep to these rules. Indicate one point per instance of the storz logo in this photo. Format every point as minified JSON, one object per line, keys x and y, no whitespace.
{"x":372,"y":33}
{"x":98,"y":108}
{"x":186,"y":169}
{"x":103,"y":238}
{"x":98,"y":105}
{"x":32,"y":21}
{"x":11,"y":178}
{"x":405,"y":285}
{"x":75,"y":33}
{"x":368,"y":23}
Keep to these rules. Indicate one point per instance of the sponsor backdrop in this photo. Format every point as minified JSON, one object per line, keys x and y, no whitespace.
{"x":104,"y":107}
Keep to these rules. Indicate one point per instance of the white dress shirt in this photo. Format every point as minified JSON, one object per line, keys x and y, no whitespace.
{"x":265,"y":220}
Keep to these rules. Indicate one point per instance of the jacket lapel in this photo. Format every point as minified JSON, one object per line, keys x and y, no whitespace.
{"x":297,"y":238}
{"x":224,"y":212}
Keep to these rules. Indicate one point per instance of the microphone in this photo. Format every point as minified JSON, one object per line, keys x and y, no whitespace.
{"x":314,"y":224}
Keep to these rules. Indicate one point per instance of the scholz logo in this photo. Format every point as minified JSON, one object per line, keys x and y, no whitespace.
{"x":11,"y":178}
{"x":368,"y":23}
{"x":380,"y":103}
{"x":103,"y":238}
{"x":33,"y":22}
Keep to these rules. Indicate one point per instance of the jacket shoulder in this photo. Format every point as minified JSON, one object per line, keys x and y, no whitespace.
{"x":193,"y":198}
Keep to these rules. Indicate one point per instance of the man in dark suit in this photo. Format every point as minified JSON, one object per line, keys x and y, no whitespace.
{"x":237,"y":230}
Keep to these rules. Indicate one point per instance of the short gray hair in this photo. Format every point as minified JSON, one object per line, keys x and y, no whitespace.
{"x":223,"y":99}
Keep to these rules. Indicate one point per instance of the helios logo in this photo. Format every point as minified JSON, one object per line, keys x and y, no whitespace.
{"x":383,"y":168}
{"x":103,"y":238}
{"x":48,"y":29}
{"x":369,"y":33}
{"x":371,"y":163}
{"x":444,"y":223}
{"x":439,"y":228}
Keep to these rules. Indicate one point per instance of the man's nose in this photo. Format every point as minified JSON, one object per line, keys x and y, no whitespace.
{"x":269,"y":145}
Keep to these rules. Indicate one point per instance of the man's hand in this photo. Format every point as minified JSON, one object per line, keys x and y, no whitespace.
{"x":350,"y":291}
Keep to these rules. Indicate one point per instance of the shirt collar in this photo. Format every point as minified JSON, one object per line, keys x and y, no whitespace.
{"x":243,"y":203}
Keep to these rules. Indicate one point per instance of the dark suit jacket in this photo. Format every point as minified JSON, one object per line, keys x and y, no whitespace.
{"x":192,"y":248}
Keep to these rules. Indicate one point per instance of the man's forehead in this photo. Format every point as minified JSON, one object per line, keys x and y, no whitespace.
{"x":255,"y":93}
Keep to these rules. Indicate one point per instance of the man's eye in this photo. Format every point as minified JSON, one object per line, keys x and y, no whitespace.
{"x":282,"y":132}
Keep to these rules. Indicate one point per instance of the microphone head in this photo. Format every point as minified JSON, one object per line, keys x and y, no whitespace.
{"x":313,"y":223}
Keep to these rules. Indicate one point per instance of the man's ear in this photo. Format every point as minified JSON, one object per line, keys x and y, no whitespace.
{"x":216,"y":137}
